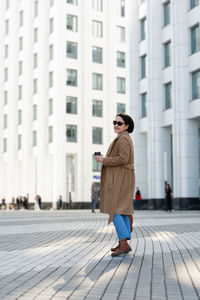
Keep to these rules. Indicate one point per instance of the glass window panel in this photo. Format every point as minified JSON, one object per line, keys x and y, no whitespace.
{"x":6,"y":51}
{"x":97,"y":108}
{"x":71,"y":77}
{"x":97,"y":5}
{"x":195,"y":39}
{"x":5,"y":145}
{"x":74,"y":2}
{"x":97,"y":135}
{"x":167,"y":54}
{"x":35,"y":9}
{"x":34,"y":86}
{"x":71,"y":133}
{"x":168,"y":95}
{"x":20,"y":43}
{"x":50,"y":52}
{"x":196,"y":85}
{"x":71,"y":49}
{"x":143,"y":29}
{"x":51,"y":25}
{"x":19,"y":92}
{"x":50,"y":134}
{"x":122,"y":6}
{"x":50,"y":79}
{"x":35,"y":60}
{"x":96,"y":167}
{"x":50,"y":107}
{"x":166,"y":13}
{"x":35,"y":35}
{"x":121,"y":34}
{"x":194,"y":3}
{"x":121,"y":59}
{"x":5,"y":97}
{"x":72,"y":23}
{"x":19,"y":117}
{"x":6,"y":27}
{"x":121,"y":108}
{"x":34,"y":112}
{"x":121,"y":85}
{"x":97,"y":81}
{"x":97,"y":55}
{"x":97,"y":28}
{"x":71,"y":105}
{"x":19,"y":141}
{"x":5,"y":121}
{"x":143,"y":66}
{"x":34,"y":138}
{"x":144,"y":105}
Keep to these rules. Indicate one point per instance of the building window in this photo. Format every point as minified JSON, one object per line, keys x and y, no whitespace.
{"x":21,"y":18}
{"x":71,"y":77}
{"x":6,"y":27}
{"x":143,"y":66}
{"x":168,"y":95}
{"x":194,"y":3}
{"x":121,"y":85}
{"x":6,"y":74}
{"x":71,"y":133}
{"x":5,"y":97}
{"x":34,"y":112}
{"x":51,"y":3}
{"x":143,"y":29}
{"x":19,"y":117}
{"x":51,"y":23}
{"x":97,"y":5}
{"x":50,"y":134}
{"x":35,"y":35}
{"x":50,"y":107}
{"x":121,"y":59}
{"x":5,"y":145}
{"x":196,"y":85}
{"x":35,"y":60}
{"x":71,"y":105}
{"x":97,"y":54}
{"x":97,"y":108}
{"x":97,"y":28}
{"x":20,"y":43}
{"x":96,"y":167}
{"x":97,"y":81}
{"x":71,"y":49}
{"x":50,"y":79}
{"x":97,"y":135}
{"x":19,"y":92}
{"x":19,"y":141}
{"x":74,"y":2}
{"x":144,"y":105}
{"x":7,"y":4}
{"x":6,"y":51}
{"x":122,"y":8}
{"x":72,"y":23}
{"x":166,"y":13}
{"x":121,"y":34}
{"x":20,"y":68}
{"x":5,"y":121}
{"x":34,"y":138}
{"x":35,"y":9}
{"x":50,"y":52}
{"x":167,"y":54}
{"x":195,"y":39}
{"x":34,"y":86}
{"x":121,"y":108}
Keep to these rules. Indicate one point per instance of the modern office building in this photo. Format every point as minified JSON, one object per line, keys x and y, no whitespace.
{"x":62,"y":81}
{"x":163,"y":59}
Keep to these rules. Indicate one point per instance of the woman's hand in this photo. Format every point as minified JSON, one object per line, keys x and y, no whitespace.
{"x":99,"y":158}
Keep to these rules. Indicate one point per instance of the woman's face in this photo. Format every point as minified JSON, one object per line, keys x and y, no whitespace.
{"x":119,"y":129}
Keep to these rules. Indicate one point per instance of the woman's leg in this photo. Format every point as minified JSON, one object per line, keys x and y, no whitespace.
{"x":122,"y":226}
{"x":128,"y":226}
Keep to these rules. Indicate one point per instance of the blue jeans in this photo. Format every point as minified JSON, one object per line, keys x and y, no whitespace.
{"x":93,"y":204}
{"x":122,"y":226}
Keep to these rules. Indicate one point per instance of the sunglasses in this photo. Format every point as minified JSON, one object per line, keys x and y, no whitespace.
{"x":118,"y":123}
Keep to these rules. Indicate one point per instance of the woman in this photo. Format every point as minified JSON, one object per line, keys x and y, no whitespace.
{"x":118,"y":181}
{"x":168,"y":198}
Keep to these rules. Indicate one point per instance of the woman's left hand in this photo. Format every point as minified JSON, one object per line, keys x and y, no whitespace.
{"x":99,"y":158}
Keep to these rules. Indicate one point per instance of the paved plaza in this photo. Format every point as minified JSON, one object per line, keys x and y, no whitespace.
{"x":66,"y":255}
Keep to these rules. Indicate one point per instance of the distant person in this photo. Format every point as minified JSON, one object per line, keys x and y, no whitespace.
{"x":138,"y":198}
{"x":3,"y":204}
{"x":118,"y":182}
{"x":168,"y":198}
{"x":37,"y":204}
{"x":12,"y":204}
{"x":60,"y":202}
{"x":40,"y":201}
{"x":94,"y":196}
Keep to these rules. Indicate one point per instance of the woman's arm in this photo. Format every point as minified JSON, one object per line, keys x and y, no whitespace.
{"x":122,"y":158}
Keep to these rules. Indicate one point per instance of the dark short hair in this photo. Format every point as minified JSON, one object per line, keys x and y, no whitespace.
{"x":128,"y":121}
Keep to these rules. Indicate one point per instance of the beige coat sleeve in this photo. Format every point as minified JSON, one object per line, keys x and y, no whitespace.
{"x":121,"y":158}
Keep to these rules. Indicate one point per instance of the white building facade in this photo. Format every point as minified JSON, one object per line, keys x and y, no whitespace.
{"x":164,"y":92}
{"x":62,"y":81}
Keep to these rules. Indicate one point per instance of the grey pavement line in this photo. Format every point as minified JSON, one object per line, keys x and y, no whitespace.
{"x":53,"y":251}
{"x":185,"y":262}
{"x":174,"y":258}
{"x":85,"y":247}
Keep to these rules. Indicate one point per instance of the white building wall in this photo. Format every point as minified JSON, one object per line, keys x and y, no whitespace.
{"x":41,"y":169}
{"x":169,"y":135}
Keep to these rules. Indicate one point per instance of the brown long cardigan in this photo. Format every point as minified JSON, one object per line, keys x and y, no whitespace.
{"x":118,"y":178}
